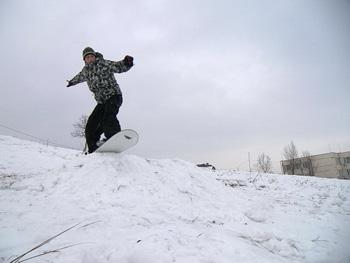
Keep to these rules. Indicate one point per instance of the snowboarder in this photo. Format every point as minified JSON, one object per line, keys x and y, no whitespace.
{"x":99,"y":75}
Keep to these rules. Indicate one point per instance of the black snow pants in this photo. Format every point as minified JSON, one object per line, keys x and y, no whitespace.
{"x":103,"y":119}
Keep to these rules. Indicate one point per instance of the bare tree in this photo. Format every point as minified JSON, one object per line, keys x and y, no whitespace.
{"x":308,"y":164}
{"x":342,"y":163}
{"x":290,"y":153}
{"x":79,"y":127}
{"x":306,"y":154}
{"x":264,"y":163}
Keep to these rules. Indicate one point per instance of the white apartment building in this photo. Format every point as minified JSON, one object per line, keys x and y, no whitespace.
{"x":330,"y":165}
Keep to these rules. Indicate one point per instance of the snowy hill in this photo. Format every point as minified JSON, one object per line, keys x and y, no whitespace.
{"x":128,"y":209}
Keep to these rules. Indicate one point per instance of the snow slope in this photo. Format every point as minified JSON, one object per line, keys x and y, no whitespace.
{"x":128,"y":209}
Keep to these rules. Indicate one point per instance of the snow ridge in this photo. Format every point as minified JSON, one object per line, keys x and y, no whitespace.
{"x":132,"y":209}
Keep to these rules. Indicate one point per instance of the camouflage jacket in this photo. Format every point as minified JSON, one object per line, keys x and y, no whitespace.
{"x":100,"y":77}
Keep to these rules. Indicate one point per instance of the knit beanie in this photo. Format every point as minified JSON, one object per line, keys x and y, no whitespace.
{"x":87,"y":51}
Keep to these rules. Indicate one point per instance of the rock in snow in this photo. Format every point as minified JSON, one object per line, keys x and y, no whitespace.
{"x":128,"y":209}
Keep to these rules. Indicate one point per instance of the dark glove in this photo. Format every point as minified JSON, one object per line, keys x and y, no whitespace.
{"x":129,"y":61}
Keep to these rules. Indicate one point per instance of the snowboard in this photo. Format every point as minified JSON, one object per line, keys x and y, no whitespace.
{"x":120,"y":142}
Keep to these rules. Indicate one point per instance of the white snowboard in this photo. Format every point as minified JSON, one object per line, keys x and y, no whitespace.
{"x":120,"y":142}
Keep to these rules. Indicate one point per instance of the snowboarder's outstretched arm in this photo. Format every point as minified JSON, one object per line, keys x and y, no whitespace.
{"x":80,"y":77}
{"x":120,"y":66}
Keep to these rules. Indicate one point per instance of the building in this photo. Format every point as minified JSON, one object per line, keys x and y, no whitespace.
{"x":330,"y":165}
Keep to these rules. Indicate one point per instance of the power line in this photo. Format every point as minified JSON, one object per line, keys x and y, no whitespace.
{"x":23,"y":133}
{"x":34,"y":137}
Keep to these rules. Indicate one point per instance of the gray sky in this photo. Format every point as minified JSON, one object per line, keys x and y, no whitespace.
{"x":212,"y":81}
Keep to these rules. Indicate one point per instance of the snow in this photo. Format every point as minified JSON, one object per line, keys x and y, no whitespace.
{"x":129,"y":209}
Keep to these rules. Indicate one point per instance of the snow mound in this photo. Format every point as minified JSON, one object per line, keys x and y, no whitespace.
{"x":125,"y":208}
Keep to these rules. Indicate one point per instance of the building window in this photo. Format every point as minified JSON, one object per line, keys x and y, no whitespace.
{"x":347,"y":159}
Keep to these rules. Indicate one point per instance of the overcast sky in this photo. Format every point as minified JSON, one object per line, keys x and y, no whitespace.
{"x":212,"y":81}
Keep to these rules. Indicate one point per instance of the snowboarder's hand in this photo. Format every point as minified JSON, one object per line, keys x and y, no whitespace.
{"x":69,"y":84}
{"x":129,"y":61}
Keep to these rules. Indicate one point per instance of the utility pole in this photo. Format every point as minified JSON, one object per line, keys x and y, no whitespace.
{"x":250,"y":169}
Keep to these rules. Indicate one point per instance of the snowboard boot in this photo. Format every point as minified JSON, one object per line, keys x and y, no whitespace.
{"x":93,"y":148}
